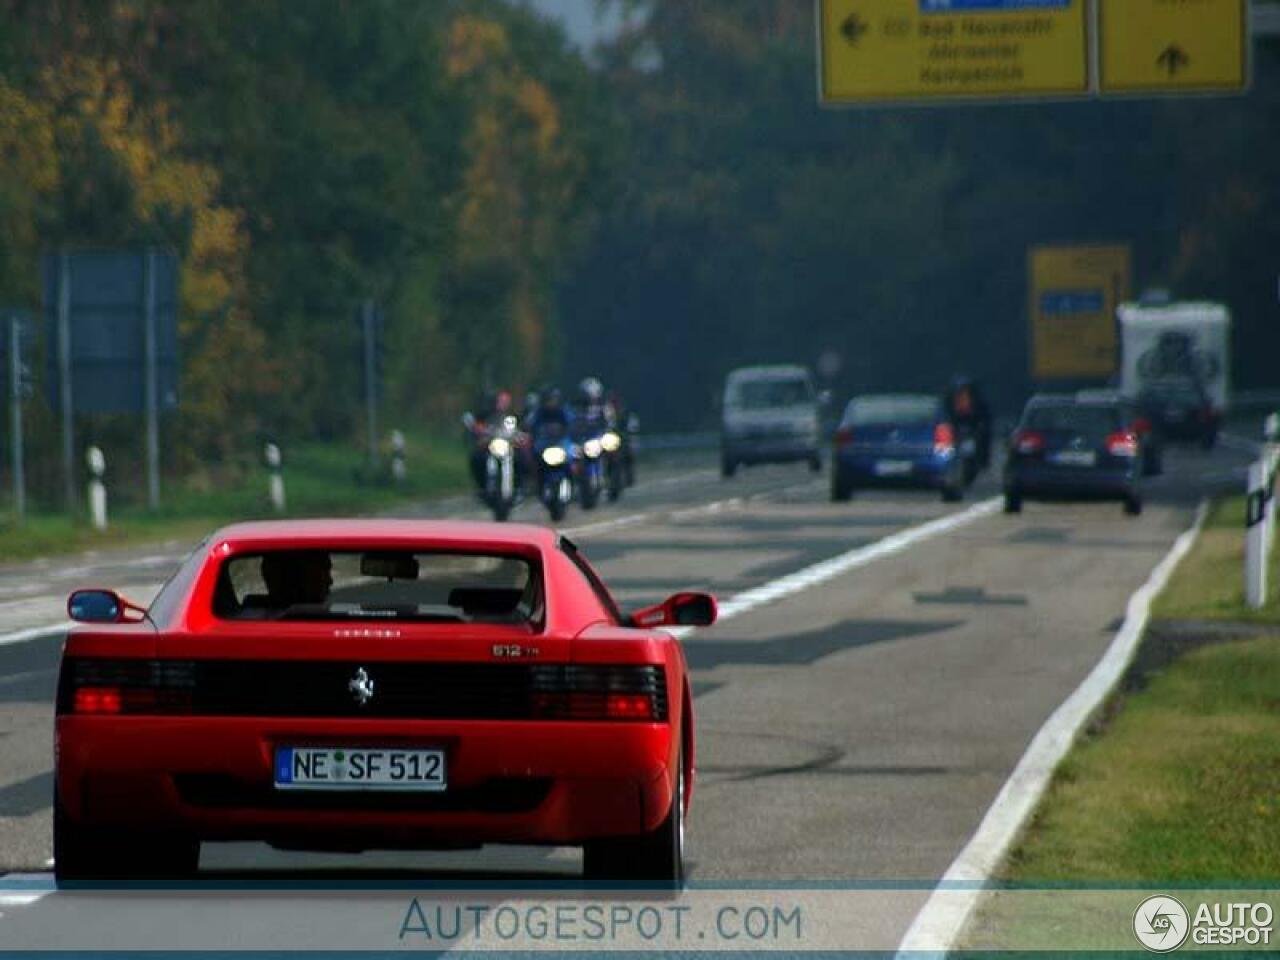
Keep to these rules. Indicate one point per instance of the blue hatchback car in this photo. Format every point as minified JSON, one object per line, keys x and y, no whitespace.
{"x":895,"y":440}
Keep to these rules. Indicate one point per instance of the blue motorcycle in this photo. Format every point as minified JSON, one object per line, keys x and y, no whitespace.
{"x":556,"y":459}
{"x":589,"y":443}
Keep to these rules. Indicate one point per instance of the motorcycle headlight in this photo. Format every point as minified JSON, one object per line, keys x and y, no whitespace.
{"x":591,"y":448}
{"x":553,"y":456}
{"x":499,"y":446}
{"x":611,"y":442}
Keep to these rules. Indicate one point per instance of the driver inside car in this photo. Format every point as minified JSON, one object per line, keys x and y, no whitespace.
{"x":292,"y":578}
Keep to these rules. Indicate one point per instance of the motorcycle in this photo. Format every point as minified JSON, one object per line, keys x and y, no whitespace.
{"x":591,"y":468}
{"x":618,"y":470}
{"x":500,"y":475}
{"x":555,"y":456}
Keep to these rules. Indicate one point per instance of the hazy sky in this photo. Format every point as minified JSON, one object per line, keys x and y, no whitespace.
{"x":580,"y":17}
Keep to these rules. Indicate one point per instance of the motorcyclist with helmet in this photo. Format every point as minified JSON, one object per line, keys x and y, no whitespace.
{"x":971,"y":417}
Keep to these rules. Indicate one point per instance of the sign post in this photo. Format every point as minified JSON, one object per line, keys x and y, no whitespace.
{"x":1159,"y":46}
{"x":1074,"y":292}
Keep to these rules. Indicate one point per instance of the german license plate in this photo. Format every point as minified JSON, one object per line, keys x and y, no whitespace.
{"x":893,"y":468}
{"x":1075,"y":458}
{"x":359,"y":768}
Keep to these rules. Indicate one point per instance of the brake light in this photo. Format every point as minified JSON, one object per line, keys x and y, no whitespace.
{"x":1028,"y":441}
{"x":1122,"y":444}
{"x":629,"y":706}
{"x":944,"y":438}
{"x":844,"y":436}
{"x":97,"y":700}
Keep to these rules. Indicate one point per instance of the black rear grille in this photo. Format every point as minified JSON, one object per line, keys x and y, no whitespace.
{"x":497,"y":795}
{"x":459,"y":691}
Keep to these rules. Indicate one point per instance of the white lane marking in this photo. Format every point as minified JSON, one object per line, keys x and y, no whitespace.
{"x":1239,"y":443}
{"x":628,"y":521}
{"x":34,"y":633}
{"x":841,"y":564}
{"x":942,"y":919}
{"x":708,"y":509}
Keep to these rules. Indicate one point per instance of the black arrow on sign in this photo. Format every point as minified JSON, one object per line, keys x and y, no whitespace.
{"x":1173,"y":58}
{"x":853,"y":28}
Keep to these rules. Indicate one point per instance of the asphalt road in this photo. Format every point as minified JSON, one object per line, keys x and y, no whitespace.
{"x":852,"y":731}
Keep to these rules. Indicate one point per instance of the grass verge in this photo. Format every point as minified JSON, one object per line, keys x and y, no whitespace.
{"x":319,"y":479}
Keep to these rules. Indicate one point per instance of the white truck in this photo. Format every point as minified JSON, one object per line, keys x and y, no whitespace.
{"x":1176,"y":341}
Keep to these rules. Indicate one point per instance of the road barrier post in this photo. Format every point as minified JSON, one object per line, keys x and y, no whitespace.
{"x":97,"y":464}
{"x":398,"y":469}
{"x":275,"y":480}
{"x":1255,"y":544}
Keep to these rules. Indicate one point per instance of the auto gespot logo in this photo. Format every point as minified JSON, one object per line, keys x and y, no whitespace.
{"x":1162,"y":924}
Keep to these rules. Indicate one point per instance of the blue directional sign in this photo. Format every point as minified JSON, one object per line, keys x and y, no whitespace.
{"x":1059,"y":302}
{"x":990,"y":6}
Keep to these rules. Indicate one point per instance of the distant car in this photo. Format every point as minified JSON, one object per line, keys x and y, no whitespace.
{"x":770,"y":415}
{"x":1070,"y":448}
{"x":896,"y":440}
{"x":1180,"y":409}
{"x":374,"y":684}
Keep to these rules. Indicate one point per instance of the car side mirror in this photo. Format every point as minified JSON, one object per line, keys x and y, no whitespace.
{"x":679,"y":610}
{"x":102,"y":606}
{"x":824,"y":399}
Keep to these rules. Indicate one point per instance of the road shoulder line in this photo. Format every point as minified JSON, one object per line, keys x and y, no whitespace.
{"x":942,"y":919}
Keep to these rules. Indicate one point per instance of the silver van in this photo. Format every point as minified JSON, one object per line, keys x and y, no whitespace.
{"x":771,"y":415}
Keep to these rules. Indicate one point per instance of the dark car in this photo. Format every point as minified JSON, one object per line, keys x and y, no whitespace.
{"x":896,"y":440}
{"x":1069,"y":448}
{"x":1180,"y":409}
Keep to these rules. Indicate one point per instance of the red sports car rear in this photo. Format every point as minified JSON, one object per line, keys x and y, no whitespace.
{"x":347,"y":685}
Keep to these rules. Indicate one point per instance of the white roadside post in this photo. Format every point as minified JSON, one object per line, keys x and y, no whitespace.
{"x":275,"y":481}
{"x":97,"y":464}
{"x":398,"y":469}
{"x":1255,"y":538}
{"x":1271,"y":455}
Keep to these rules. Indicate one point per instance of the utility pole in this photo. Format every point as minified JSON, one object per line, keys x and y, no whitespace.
{"x":64,"y":382}
{"x":15,"y":417}
{"x":370,"y":385}
{"x":151,"y":378}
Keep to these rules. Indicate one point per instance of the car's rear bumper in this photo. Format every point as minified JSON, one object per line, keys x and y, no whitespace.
{"x":882,"y":468}
{"x":526,"y":782}
{"x":1067,"y":482}
{"x":770,"y":450}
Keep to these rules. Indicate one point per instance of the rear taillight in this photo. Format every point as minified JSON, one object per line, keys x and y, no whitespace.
{"x":1028,"y":441}
{"x":844,"y":437}
{"x":97,"y":700}
{"x":126,"y":687}
{"x":944,"y":438}
{"x":600,"y":693}
{"x":1122,"y":444}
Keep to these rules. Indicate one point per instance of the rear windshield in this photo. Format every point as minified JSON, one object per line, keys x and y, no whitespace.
{"x":1078,"y":418}
{"x":1175,"y":392}
{"x":896,"y":411}
{"x":762,"y":394}
{"x":379,"y":585}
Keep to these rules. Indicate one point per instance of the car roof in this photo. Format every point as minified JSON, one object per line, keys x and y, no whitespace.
{"x":896,"y":397}
{"x":774,"y":372}
{"x":444,"y":533}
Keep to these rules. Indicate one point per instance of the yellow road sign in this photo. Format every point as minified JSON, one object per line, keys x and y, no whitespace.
{"x":1074,"y":292}
{"x":1179,"y":46}
{"x":890,"y":50}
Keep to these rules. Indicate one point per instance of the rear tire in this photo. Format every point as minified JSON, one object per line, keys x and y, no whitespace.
{"x":841,"y":489}
{"x":1012,"y":502}
{"x":815,"y":464}
{"x":556,"y":510}
{"x":1133,"y":506}
{"x":83,"y":854}
{"x":501,"y":511}
{"x":728,"y":467}
{"x":952,"y":493}
{"x":654,"y":860}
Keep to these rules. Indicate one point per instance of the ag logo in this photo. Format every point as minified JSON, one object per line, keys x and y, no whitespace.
{"x":1161,"y":924}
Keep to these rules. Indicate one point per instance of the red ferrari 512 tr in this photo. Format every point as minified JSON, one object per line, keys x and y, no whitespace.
{"x":362,"y":684}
